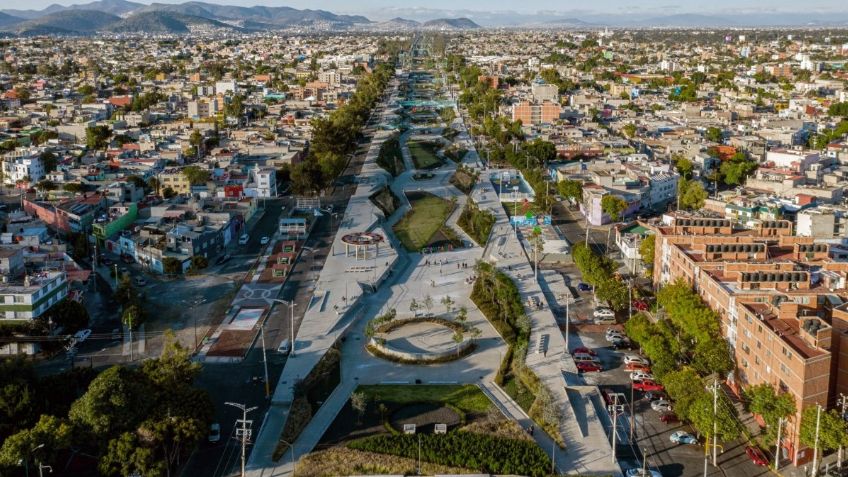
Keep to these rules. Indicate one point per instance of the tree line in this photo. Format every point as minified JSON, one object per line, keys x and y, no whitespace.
{"x":143,"y":420}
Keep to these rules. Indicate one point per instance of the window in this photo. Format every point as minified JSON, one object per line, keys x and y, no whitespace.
{"x":19,"y":299}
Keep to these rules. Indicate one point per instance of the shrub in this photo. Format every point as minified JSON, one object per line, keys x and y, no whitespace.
{"x":489,"y":454}
{"x":476,"y":223}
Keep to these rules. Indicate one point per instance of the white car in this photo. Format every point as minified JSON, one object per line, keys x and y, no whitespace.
{"x":265,"y":240}
{"x":641,"y":375}
{"x":661,"y":406}
{"x":244,"y":239}
{"x":284,"y":347}
{"x":636,"y":359}
{"x":603,"y":313}
{"x":683,"y":437}
{"x":82,"y":335}
{"x":639,"y":472}
{"x":615,"y":336}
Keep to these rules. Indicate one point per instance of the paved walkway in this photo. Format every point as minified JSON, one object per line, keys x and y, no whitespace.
{"x":417,"y":277}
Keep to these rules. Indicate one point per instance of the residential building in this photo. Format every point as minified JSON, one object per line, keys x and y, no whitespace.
{"x":528,"y":113}
{"x":29,"y":298}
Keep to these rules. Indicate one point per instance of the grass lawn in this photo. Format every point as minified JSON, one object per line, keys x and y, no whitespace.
{"x":420,"y":224}
{"x":522,"y":208}
{"x":522,"y":396}
{"x":424,"y":154}
{"x":467,"y":397}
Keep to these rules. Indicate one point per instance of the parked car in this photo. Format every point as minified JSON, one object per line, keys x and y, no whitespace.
{"x":669,"y":418}
{"x":661,"y":405}
{"x":223,"y":259}
{"x":214,"y":432}
{"x":682,"y":437}
{"x":265,"y":240}
{"x":655,"y":395}
{"x":640,"y":472}
{"x":757,"y":456}
{"x":106,"y":261}
{"x":637,"y":367}
{"x":614,"y":335}
{"x":244,"y":239}
{"x":584,"y":287}
{"x":635,"y":358}
{"x":140,"y":281}
{"x":603,"y":313}
{"x":646,"y":385}
{"x":584,"y":358}
{"x":641,"y":375}
{"x":82,"y":335}
{"x":285,"y":346}
{"x":622,"y":343}
{"x":127,"y":259}
{"x":604,"y":320}
{"x":584,"y":350}
{"x":589,"y":367}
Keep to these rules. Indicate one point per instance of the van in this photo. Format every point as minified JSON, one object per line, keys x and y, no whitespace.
{"x":285,"y":347}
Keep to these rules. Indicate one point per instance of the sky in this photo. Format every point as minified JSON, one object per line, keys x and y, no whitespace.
{"x":523,"y":6}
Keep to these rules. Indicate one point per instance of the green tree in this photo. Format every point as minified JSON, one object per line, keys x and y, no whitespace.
{"x":702,"y":417}
{"x":126,"y":455}
{"x":684,"y":166}
{"x":172,"y":265}
{"x":97,"y":137}
{"x":737,"y":169}
{"x":612,"y":291}
{"x":195,"y":175}
{"x":629,"y":130}
{"x":833,"y":430}
{"x":68,"y":314}
{"x":691,"y":194}
{"x":647,"y":248}
{"x":764,"y":400}
{"x":17,"y":396}
{"x":133,"y":316}
{"x":49,"y":160}
{"x":50,"y":432}
{"x":543,"y":151}
{"x":714,"y":134}
{"x":613,"y":206}
{"x":571,"y":189}
{"x":74,"y":187}
{"x":116,"y":401}
{"x":712,"y":356}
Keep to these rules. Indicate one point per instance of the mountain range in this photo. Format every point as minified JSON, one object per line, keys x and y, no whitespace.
{"x":129,"y":17}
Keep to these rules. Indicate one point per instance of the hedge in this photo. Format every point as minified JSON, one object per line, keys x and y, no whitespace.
{"x":489,"y":454}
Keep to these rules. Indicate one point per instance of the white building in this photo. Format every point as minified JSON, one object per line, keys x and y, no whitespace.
{"x":263,"y":182}
{"x":227,"y":86}
{"x":22,"y":164}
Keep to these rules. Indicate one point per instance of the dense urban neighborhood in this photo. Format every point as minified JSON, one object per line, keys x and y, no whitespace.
{"x":263,"y":241}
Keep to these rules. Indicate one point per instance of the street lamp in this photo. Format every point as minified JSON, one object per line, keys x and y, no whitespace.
{"x":293,"y":460}
{"x":291,"y":305}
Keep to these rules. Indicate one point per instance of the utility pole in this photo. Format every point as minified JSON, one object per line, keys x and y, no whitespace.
{"x":614,"y":410}
{"x":816,"y":444}
{"x":632,"y":415}
{"x":567,"y":321}
{"x":843,"y":401}
{"x":245,"y":432}
{"x":265,"y":362}
{"x":777,"y":445}
{"x":715,"y":422}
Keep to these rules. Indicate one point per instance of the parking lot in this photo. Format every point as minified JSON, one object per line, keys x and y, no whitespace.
{"x":650,"y":436}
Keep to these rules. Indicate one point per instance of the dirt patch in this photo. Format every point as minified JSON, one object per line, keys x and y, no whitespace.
{"x":425,"y":416}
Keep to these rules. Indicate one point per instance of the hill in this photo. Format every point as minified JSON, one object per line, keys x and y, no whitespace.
{"x":168,"y":23}
{"x":114,"y":7}
{"x":451,"y":24}
{"x":66,"y":22}
{"x":8,"y":20}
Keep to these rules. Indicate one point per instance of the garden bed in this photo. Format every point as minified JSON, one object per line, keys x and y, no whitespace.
{"x":423,"y":226}
{"x":476,"y":223}
{"x":424,"y":154}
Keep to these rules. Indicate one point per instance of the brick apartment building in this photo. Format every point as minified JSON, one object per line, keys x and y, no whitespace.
{"x":782,"y":303}
{"x":545,"y":112}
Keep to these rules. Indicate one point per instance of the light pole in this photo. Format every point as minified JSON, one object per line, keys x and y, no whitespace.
{"x":265,"y":362}
{"x":291,"y":305}
{"x":293,"y":461}
{"x":245,"y":432}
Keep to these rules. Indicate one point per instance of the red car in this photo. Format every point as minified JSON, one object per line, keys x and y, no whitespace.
{"x":645,"y":385}
{"x":669,"y":418}
{"x":640,"y":305}
{"x":584,"y":350}
{"x":589,"y":367}
{"x":637,"y":367}
{"x":756,"y":456}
